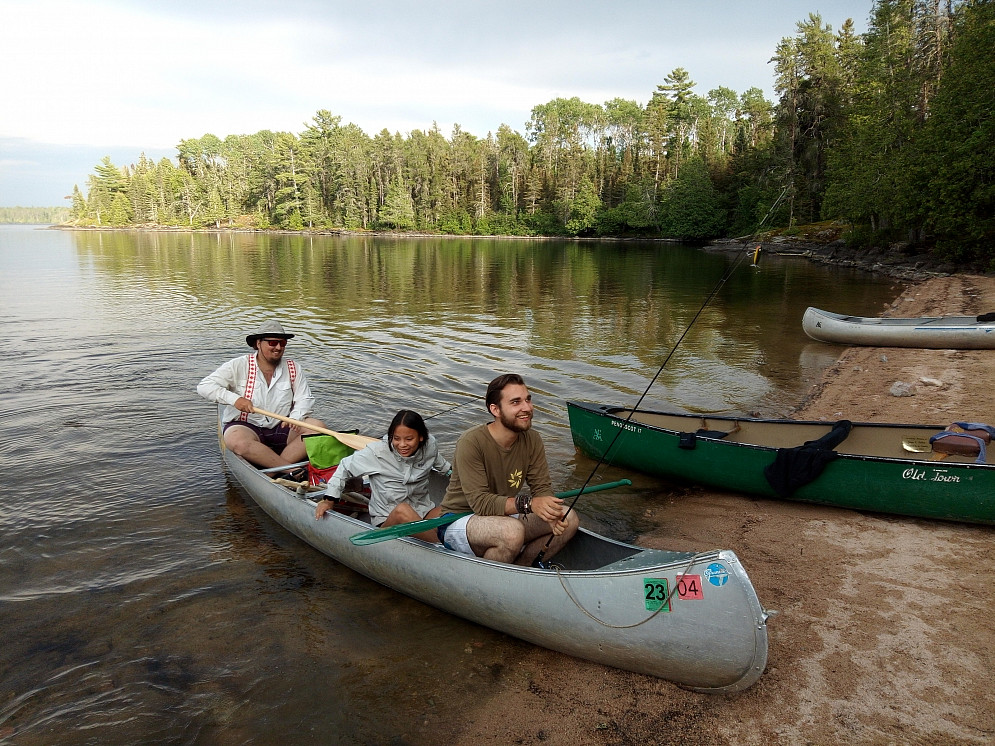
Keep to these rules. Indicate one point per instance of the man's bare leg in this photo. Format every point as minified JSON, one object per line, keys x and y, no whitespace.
{"x":245,"y":443}
{"x":498,"y":538}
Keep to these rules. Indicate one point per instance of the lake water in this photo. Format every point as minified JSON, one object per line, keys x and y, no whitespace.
{"x":144,"y":597}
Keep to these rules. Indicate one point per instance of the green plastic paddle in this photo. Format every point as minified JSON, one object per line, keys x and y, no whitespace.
{"x":403,"y":529}
{"x":416,"y":527}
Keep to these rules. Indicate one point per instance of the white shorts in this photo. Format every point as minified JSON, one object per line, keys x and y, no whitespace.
{"x":455,"y":536}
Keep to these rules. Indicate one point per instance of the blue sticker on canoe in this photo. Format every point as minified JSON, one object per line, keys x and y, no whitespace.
{"x":716,"y":574}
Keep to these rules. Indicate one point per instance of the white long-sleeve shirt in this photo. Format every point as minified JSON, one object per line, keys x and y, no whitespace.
{"x":286,"y":393}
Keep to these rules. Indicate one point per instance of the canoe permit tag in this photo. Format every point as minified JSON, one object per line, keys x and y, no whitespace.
{"x":689,"y":588}
{"x":656,"y":593}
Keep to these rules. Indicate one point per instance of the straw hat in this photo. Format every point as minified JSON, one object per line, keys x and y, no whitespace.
{"x":267,"y":329}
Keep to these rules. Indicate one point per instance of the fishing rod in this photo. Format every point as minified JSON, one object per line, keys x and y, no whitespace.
{"x":452,"y":409}
{"x":538,"y":561}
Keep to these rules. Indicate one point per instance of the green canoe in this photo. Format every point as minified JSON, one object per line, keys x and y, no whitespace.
{"x":887,"y":468}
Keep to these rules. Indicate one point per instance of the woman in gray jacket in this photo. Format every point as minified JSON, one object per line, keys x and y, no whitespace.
{"x":398,"y":468}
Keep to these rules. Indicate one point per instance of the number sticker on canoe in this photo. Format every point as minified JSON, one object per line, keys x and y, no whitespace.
{"x":656,"y":592}
{"x":689,"y":588}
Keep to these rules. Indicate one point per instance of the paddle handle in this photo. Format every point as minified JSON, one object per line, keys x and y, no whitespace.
{"x":595,"y":488}
{"x":357,"y":442}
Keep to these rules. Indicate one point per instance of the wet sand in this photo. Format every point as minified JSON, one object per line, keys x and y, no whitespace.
{"x":883,"y":634}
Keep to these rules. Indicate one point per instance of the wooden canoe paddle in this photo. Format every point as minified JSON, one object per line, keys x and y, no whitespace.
{"x":354,"y":441}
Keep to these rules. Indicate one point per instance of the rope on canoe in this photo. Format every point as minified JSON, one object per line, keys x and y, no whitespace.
{"x":666,"y":604}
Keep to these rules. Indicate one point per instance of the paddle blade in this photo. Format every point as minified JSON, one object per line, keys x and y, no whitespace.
{"x":403,"y":529}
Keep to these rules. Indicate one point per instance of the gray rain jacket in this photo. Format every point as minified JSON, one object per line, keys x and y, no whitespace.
{"x":393,"y":479}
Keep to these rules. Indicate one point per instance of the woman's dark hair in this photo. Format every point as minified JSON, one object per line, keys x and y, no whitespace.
{"x":408,"y":418}
{"x":495,"y":387}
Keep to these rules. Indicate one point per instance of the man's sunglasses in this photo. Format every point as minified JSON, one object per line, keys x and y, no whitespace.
{"x":276,"y":342}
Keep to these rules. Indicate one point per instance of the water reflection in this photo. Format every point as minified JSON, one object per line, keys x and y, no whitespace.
{"x":433,"y":314}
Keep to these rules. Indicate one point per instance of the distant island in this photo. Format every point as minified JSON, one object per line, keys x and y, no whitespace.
{"x":34,"y":215}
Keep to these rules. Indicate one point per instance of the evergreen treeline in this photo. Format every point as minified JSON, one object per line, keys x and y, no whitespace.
{"x":34,"y":215}
{"x":891,"y":131}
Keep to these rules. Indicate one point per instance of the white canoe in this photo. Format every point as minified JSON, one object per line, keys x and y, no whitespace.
{"x":599,"y":605}
{"x":933,"y":332}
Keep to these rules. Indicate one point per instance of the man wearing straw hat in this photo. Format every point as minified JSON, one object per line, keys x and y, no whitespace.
{"x":267,"y":381}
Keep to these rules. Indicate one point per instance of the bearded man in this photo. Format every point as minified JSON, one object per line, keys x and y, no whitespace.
{"x":263,"y":379}
{"x":492,"y":464}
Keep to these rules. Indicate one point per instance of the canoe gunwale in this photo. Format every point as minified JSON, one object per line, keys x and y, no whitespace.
{"x":614,"y":413}
{"x":955,"y":488}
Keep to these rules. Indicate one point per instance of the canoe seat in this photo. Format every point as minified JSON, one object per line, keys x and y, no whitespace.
{"x":688,"y":441}
{"x":963,"y":439}
{"x":302,"y":486}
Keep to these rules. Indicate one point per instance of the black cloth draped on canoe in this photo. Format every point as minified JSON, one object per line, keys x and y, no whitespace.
{"x":796,"y":467}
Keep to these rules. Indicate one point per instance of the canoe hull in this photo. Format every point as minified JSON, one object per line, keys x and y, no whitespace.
{"x":712,"y":639}
{"x":873,"y":472}
{"x":930,"y":332}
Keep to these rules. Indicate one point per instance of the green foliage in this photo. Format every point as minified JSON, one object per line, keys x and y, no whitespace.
{"x":294,"y":221}
{"x":583,"y":209}
{"x":890,"y":131}
{"x":38,"y":215}
{"x":958,"y":162}
{"x":637,"y":214}
{"x":398,"y":211}
{"x":691,"y":206}
{"x":120,"y":212}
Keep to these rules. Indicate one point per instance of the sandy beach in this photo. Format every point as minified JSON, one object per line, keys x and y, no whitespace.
{"x":882,"y":634}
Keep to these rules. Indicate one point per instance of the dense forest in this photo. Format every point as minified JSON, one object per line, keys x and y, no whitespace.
{"x":34,"y":215}
{"x":890,"y":132}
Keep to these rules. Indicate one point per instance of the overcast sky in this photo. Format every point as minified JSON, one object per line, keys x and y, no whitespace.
{"x":88,"y":78}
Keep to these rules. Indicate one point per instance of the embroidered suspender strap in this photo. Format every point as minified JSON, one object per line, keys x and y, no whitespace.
{"x":250,"y":385}
{"x":292,"y":367}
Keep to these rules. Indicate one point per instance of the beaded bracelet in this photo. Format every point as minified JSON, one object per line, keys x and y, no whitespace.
{"x":523,"y":504}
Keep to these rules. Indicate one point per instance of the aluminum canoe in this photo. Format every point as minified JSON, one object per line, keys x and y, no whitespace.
{"x":691,"y":618}
{"x":930,"y":332}
{"x":887,"y":468}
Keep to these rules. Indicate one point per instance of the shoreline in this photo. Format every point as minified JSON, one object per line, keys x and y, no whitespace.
{"x":898,"y":261}
{"x":908,"y":267}
{"x":358,"y":233}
